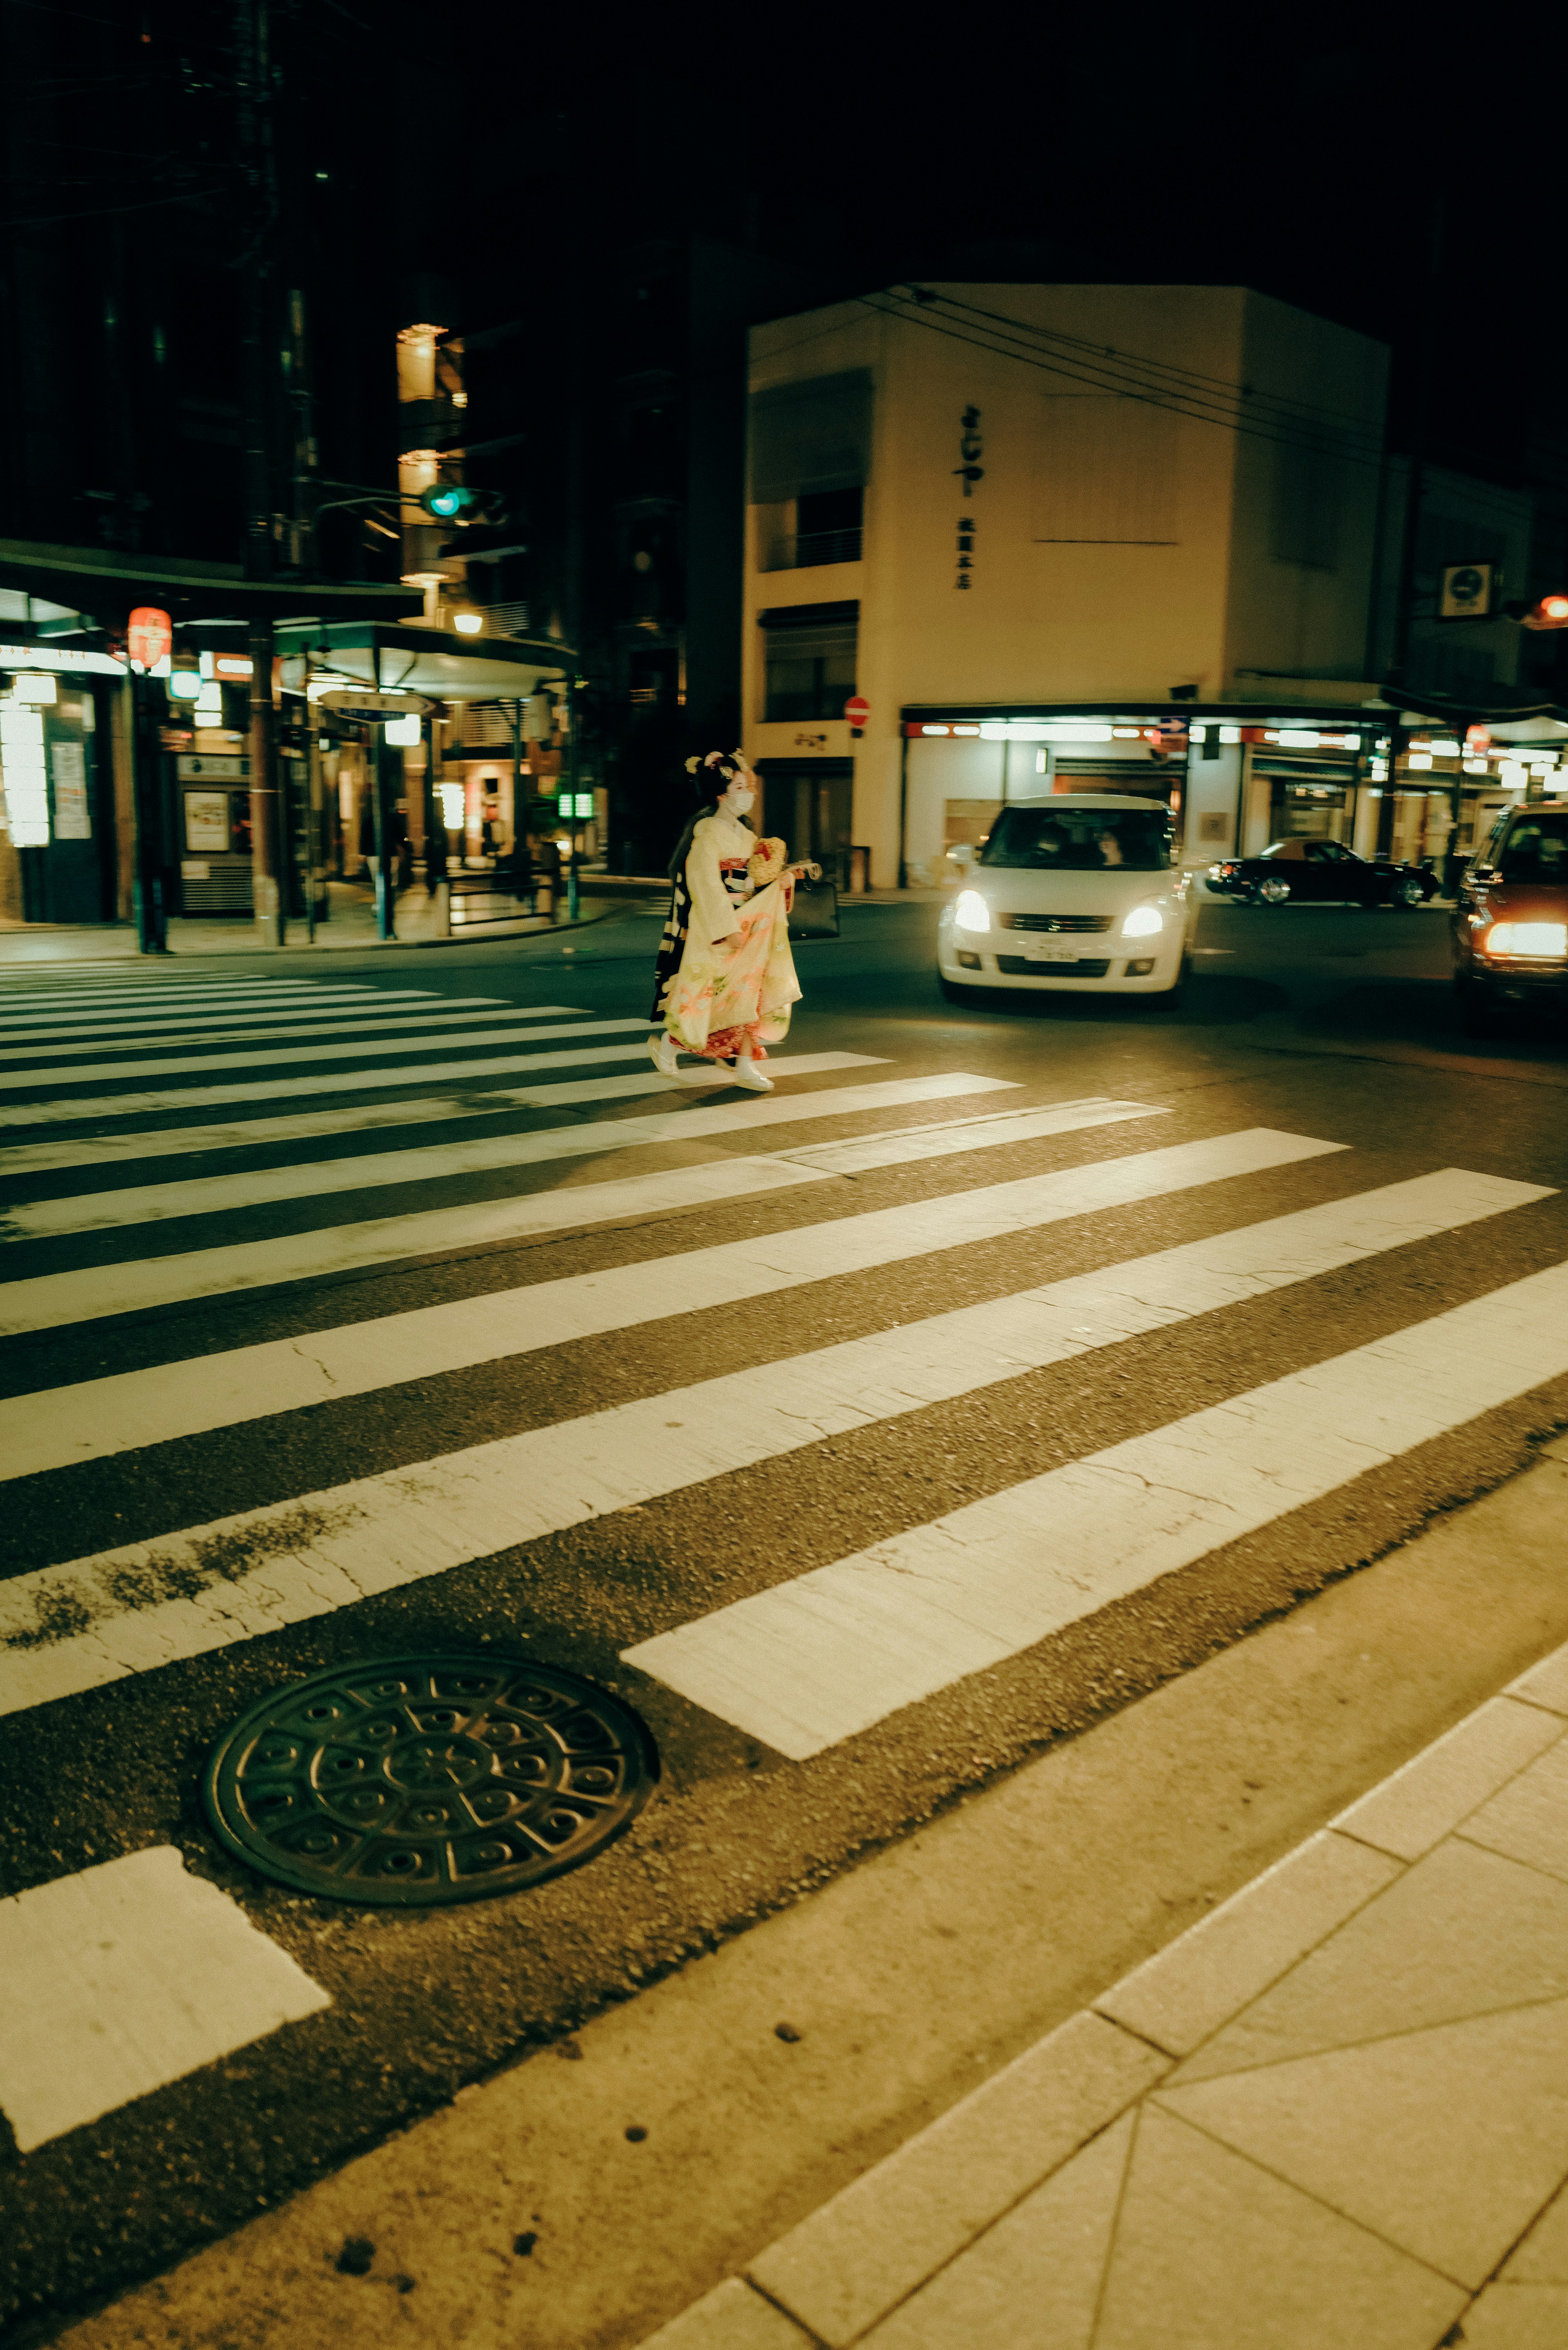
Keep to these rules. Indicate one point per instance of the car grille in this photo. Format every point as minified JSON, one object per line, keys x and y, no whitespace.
{"x":1055,"y":921}
{"x":1020,"y":964}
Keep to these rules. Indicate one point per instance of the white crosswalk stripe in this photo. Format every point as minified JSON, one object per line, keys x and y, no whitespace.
{"x":801,"y":1664}
{"x":17,"y":1080}
{"x":332,"y":1547}
{"x":52,"y":1428}
{"x":342,"y":1021}
{"x":838,"y":1650}
{"x":111,"y":1020}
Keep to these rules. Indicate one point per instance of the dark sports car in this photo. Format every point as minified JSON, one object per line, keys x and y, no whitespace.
{"x":1320,"y":872}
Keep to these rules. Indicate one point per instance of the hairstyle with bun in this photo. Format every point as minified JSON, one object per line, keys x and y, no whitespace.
{"x":713,"y":776}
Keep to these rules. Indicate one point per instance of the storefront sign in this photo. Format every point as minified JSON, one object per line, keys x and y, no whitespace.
{"x":968,"y":471}
{"x":213,"y":766}
{"x":148,"y":635}
{"x":73,"y":818}
{"x":207,"y":820}
{"x":360,"y":701}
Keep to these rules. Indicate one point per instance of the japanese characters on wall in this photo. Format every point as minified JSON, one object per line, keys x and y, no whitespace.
{"x":968,"y":471}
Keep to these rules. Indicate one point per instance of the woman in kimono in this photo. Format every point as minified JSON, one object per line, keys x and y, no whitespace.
{"x":725,"y":978}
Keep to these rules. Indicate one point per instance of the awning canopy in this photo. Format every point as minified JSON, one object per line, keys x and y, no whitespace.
{"x":108,"y":581}
{"x":429,"y":661}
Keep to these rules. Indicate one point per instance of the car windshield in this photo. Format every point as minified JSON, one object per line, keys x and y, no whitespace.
{"x":1536,"y":849}
{"x":1062,"y":839}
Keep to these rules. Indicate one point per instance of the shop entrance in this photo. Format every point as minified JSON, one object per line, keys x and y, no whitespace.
{"x":812,"y":803}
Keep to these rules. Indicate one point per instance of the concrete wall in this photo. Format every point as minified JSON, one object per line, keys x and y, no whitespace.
{"x":1308,"y":466}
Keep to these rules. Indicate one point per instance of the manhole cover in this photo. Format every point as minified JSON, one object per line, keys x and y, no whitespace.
{"x":419,"y":1780}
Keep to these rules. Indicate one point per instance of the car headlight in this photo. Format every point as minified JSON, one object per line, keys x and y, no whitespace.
{"x":971,"y":912}
{"x":1143,"y":923}
{"x":1526,"y":938}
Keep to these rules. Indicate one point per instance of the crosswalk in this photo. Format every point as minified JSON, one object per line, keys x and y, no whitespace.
{"x":922,"y":1246}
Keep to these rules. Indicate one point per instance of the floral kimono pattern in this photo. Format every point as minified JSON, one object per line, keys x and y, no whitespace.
{"x":725,"y":979}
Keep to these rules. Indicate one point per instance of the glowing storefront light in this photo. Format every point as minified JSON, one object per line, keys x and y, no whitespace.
{"x":22,"y":775}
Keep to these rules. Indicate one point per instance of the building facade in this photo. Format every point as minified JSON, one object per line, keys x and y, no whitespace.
{"x":1015,"y":500}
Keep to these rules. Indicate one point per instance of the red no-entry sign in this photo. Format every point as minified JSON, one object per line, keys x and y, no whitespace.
{"x":858,"y":710}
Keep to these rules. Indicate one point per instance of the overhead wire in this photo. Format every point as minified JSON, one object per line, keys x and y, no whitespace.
{"x":1317,"y":440}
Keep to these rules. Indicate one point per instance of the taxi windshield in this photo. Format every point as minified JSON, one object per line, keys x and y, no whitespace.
{"x":1062,"y":839}
{"x":1536,"y":849}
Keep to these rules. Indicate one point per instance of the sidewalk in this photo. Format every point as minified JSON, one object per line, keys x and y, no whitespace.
{"x":350,"y":929}
{"x":1334,"y":2112}
{"x":1324,"y":2118}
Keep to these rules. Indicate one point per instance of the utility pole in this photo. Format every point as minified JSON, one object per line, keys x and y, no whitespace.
{"x":253,"y":45}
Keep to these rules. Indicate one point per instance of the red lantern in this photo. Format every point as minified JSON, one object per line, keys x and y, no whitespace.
{"x":148,"y":635}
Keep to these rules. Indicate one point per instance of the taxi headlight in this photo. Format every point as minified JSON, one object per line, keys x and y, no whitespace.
{"x":1143,"y":923}
{"x":1526,"y":938}
{"x":971,"y":912}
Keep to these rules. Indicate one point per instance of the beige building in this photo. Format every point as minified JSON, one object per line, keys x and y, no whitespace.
{"x":971,"y":501}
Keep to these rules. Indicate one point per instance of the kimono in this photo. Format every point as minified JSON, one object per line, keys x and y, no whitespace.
{"x":724,"y":980}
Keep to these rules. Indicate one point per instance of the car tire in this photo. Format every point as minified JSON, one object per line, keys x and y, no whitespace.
{"x":1274,"y":891}
{"x":1410,"y":894}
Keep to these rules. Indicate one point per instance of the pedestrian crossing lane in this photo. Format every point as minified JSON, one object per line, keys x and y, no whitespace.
{"x":802,"y":1664}
{"x":323,"y":1550}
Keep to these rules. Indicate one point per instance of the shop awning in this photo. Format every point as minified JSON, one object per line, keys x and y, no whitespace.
{"x":430,"y":660}
{"x":108,"y":581}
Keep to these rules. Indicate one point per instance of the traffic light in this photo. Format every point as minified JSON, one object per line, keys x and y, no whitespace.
{"x":448,"y":501}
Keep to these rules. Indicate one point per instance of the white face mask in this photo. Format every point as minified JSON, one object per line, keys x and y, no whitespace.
{"x":738,"y":799}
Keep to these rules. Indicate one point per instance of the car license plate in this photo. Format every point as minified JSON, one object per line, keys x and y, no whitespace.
{"x":1038,"y":950}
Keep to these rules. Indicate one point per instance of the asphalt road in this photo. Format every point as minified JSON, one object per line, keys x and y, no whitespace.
{"x":186,"y":1313}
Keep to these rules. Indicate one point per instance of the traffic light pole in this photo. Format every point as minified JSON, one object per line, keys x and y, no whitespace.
{"x":150,"y":906}
{"x":266,"y":864}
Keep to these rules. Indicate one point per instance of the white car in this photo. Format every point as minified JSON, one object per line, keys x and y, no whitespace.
{"x":1078,"y":893}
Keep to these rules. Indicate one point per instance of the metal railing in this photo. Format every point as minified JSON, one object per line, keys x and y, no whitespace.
{"x":805,"y":550}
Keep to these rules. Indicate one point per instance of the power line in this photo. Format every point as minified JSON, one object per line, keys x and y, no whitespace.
{"x":1315,"y":440}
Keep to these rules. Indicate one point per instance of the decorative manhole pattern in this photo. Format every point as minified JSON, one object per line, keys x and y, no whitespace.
{"x":418,"y":1780}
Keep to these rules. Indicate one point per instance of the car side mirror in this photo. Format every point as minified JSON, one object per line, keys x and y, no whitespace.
{"x":962,"y":856}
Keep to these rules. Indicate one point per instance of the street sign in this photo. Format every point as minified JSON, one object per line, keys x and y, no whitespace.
{"x":1465,"y":590}
{"x":858,"y":710}
{"x":360,"y":701}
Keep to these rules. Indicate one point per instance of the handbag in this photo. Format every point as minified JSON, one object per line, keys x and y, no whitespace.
{"x":814,"y":913}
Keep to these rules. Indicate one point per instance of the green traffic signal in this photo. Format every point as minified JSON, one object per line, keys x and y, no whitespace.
{"x":447,"y":501}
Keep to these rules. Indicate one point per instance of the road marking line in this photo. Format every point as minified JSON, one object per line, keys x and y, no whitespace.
{"x":96,"y":1418}
{"x":312,"y":1125}
{"x":193,"y":991}
{"x":300,"y":1021}
{"x":817,"y":1659}
{"x":95,"y":1619}
{"x":126,"y":1977}
{"x":294,"y":1089}
{"x":49,"y":1301}
{"x":205,"y":1194}
{"x":11,"y":1079}
{"x":89,"y":1017}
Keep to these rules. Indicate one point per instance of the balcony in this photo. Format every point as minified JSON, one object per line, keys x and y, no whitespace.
{"x":808,"y":548}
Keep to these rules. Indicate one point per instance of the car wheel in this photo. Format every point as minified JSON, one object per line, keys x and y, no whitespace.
{"x":1272,"y":892}
{"x":1410,"y":894}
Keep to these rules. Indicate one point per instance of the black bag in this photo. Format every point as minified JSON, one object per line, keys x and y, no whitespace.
{"x":814,"y":913}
